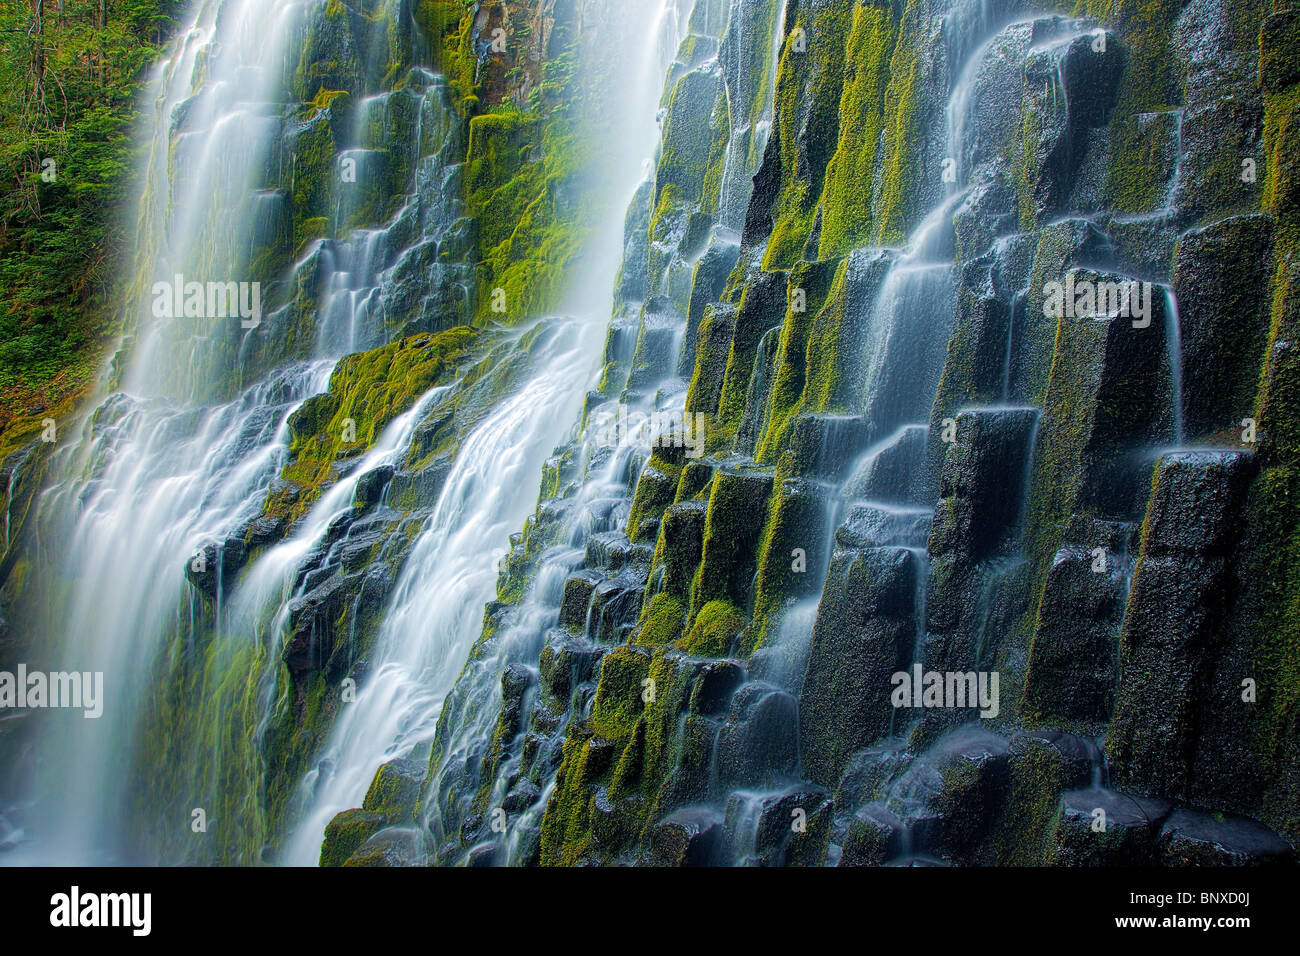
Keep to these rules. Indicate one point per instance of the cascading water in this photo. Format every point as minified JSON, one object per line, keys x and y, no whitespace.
{"x":159,"y":476}
{"x":151,"y":481}
{"x":161,"y":482}
{"x":873,"y":449}
{"x":437,"y":606}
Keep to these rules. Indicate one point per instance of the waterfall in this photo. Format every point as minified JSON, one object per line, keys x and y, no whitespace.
{"x":553,"y":451}
{"x":157,"y":472}
{"x":437,"y":607}
{"x":155,"y":496}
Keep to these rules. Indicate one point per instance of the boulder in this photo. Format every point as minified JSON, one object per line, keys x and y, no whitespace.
{"x":1099,"y":827}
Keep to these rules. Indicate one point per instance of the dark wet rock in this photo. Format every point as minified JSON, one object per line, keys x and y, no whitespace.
{"x":1055,"y":151}
{"x":759,"y":742}
{"x":865,"y":632}
{"x":893,"y":474}
{"x":611,"y":551}
{"x":1223,"y":110}
{"x":771,"y":829}
{"x":869,"y":772}
{"x":311,"y":625}
{"x":763,"y":304}
{"x":949,"y":796}
{"x":1218,"y":272}
{"x":631,"y":283}
{"x":486,"y":855}
{"x":654,"y":492}
{"x":417,"y":488}
{"x":1075,"y":758}
{"x":577,"y":599}
{"x":875,"y":836}
{"x":1190,"y":838}
{"x":1099,"y":827}
{"x":654,"y":355}
{"x":1172,"y":637}
{"x":1195,"y":502}
{"x":714,"y":687}
{"x":1108,"y":402}
{"x":972,"y":572}
{"x":617,"y":821}
{"x":681,"y":537}
{"x":217,"y":565}
{"x":1279,"y":51}
{"x":615,"y":605}
{"x":872,"y":526}
{"x":686,"y":838}
{"x":372,"y":485}
{"x":1042,"y":765}
{"x":1073,"y":660}
{"x":264,"y":530}
{"x":983,"y":482}
{"x":825,"y":446}
{"x":522,"y":797}
{"x":516,"y":680}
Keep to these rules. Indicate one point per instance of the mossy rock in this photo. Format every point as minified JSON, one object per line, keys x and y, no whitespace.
{"x":733,"y":523}
{"x":345,"y":834}
{"x":716,"y":629}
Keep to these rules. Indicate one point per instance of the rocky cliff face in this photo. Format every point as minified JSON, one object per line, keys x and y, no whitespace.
{"x":889,"y":436}
{"x":842,"y":262}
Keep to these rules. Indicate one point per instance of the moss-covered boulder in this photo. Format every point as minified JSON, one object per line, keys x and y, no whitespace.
{"x":345,"y":834}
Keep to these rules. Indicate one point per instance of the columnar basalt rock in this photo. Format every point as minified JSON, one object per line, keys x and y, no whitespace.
{"x":987,"y":311}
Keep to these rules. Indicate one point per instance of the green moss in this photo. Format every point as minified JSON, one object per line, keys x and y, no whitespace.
{"x":655,"y":490}
{"x":673,"y":679}
{"x":619,"y":703}
{"x":566,"y":824}
{"x":793,"y":354}
{"x":713,"y":347}
{"x":798,"y":524}
{"x":846,"y":201}
{"x":807,"y":122}
{"x":345,"y":834}
{"x":899,"y":192}
{"x":688,"y":137}
{"x":314,"y":157}
{"x":716,"y":629}
{"x":736,"y":514}
{"x":366,"y":392}
{"x":1150,"y":81}
{"x":762,"y":307}
{"x":1139,"y":162}
{"x":661,"y":621}
{"x":1274,"y":510}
